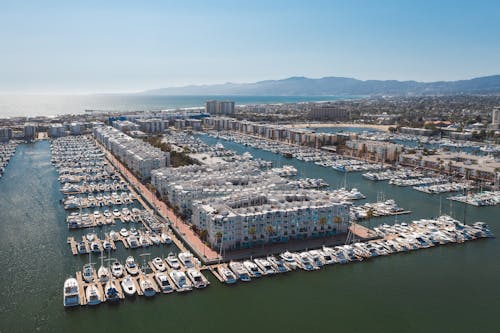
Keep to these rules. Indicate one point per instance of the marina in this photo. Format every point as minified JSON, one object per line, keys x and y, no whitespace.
{"x":291,"y":280}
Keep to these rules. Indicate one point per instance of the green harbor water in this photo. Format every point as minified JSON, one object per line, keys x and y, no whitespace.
{"x":453,"y":288}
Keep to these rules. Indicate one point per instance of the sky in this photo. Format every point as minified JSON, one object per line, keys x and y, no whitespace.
{"x":124,"y":46}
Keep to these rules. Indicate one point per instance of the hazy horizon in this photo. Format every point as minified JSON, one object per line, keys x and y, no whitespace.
{"x":58,"y":47}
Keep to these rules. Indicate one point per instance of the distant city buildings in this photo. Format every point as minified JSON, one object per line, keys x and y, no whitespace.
{"x":495,"y":118}
{"x":29,"y":131}
{"x":328,"y":112}
{"x":219,"y":107}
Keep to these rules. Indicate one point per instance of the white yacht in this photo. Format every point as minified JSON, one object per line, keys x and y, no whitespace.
{"x":128,"y":286}
{"x":289,"y":259}
{"x":187,"y":259}
{"x":197,"y":278}
{"x":146,"y":286}
{"x":278,"y":264}
{"x":172,"y":261}
{"x":111,"y":291}
{"x":315,"y":258}
{"x":265,"y":266}
{"x":181,"y":281}
{"x":93,"y":295}
{"x":166,"y":239}
{"x":88,"y":272}
{"x":117,"y":269}
{"x":227,"y":275}
{"x":240,"y":271}
{"x":70,"y":291}
{"x":113,"y":235}
{"x":164,"y":283}
{"x":159,"y":264}
{"x":252,"y":268}
{"x":132,"y":241}
{"x":131,"y":267}
{"x":154,"y":238}
{"x":124,"y":232}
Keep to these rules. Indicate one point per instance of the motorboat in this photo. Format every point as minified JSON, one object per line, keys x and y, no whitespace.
{"x":133,"y":231}
{"x":111,"y":292}
{"x":164,"y":283}
{"x":197,"y":278}
{"x":131,"y":267}
{"x":94,"y":247}
{"x":116,"y":212}
{"x":90,"y":236}
{"x":124,"y":232}
{"x":154,"y":238}
{"x":88,"y":272}
{"x":172,"y":261}
{"x":252,"y":268}
{"x":82,"y":248}
{"x":93,"y":294}
{"x":304,"y":261}
{"x":128,"y":286}
{"x":166,"y":239}
{"x":315,"y":258}
{"x":180,"y":280}
{"x":143,"y":241}
{"x":278,"y":264}
{"x":133,"y":242}
{"x":265,"y":266}
{"x":289,"y":259}
{"x":146,"y":286}
{"x":117,"y":269}
{"x":114,"y":235}
{"x":240,"y":271}
{"x":187,"y":259}
{"x":106,"y":245}
{"x":159,"y":264}
{"x":227,"y":275}
{"x":71,"y":294}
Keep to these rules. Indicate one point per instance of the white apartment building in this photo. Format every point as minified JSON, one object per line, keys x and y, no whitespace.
{"x":137,"y":155}
{"x":244,"y":220}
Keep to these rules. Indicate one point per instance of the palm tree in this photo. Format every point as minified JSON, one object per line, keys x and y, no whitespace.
{"x":322,"y":222}
{"x":218,"y":236}
{"x":251,"y":232}
{"x":269,"y":230}
{"x":203,"y":234}
{"x":337,"y":220}
{"x":369,"y":215}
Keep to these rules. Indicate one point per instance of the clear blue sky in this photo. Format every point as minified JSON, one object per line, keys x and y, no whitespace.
{"x":111,"y":46}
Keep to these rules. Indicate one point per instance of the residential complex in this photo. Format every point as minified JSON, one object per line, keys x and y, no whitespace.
{"x":138,"y":155}
{"x":243,"y":220}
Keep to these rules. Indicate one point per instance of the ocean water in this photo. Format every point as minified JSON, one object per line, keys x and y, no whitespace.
{"x":451,"y":288}
{"x":41,"y":105}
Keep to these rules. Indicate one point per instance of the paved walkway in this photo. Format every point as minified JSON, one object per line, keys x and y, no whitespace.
{"x":187,"y":234}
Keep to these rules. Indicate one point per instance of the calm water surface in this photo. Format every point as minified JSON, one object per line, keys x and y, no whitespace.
{"x":450,"y":289}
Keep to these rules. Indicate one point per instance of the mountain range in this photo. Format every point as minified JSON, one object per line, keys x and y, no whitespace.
{"x":338,"y":86}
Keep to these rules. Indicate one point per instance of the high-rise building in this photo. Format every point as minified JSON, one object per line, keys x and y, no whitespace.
{"x":495,"y":116}
{"x":219,"y":107}
{"x":212,"y":107}
{"x":226,"y":107}
{"x":29,"y":131}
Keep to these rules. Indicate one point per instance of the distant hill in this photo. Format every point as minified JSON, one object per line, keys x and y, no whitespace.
{"x":335,"y":86}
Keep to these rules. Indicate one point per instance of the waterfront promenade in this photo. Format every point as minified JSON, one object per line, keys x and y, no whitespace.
{"x":180,"y":227}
